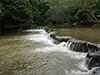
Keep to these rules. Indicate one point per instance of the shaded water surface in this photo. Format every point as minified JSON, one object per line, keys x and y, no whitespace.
{"x":31,"y":52}
{"x":85,"y":34}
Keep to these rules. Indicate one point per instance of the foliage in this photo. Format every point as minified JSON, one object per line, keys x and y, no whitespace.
{"x":40,"y":12}
{"x":15,"y":12}
{"x":80,"y":10}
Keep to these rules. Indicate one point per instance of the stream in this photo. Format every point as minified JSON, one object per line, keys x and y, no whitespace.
{"x":31,"y":52}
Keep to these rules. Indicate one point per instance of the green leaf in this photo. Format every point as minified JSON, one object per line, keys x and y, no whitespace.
{"x":75,"y":23}
{"x":91,"y":6}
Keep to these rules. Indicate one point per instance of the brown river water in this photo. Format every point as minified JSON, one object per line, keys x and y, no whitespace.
{"x":85,"y":34}
{"x":31,"y":52}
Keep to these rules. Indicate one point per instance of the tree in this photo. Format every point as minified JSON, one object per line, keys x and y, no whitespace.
{"x":15,"y":12}
{"x":80,"y":10}
{"x":89,"y":9}
{"x":39,"y":10}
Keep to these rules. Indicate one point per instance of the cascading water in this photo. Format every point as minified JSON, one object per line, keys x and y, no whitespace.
{"x":32,"y":52}
{"x":79,"y":46}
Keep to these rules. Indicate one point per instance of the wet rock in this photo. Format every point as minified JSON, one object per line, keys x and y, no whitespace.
{"x":74,"y":45}
{"x":96,"y":71}
{"x":58,"y":40}
{"x":53,"y":36}
{"x":93,"y":59}
{"x":92,"y":48}
{"x":80,"y":46}
{"x":48,"y":30}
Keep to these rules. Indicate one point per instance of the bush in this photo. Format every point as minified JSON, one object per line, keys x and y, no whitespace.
{"x":47,"y":22}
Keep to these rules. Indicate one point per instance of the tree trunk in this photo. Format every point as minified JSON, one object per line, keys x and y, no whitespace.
{"x":96,"y":20}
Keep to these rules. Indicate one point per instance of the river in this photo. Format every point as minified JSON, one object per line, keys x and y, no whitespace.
{"x":31,"y":52}
{"x":84,"y":34}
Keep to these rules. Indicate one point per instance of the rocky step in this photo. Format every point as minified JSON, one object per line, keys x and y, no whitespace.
{"x":58,"y":40}
{"x":75,"y":45}
{"x":80,"y":46}
{"x":48,"y":30}
{"x":93,"y":59}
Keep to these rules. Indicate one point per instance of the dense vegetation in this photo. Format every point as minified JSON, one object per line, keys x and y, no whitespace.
{"x":18,"y":13}
{"x":75,"y":11}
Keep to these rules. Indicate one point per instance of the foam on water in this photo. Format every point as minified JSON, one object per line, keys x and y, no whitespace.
{"x":52,"y":48}
{"x":38,"y":30}
{"x":77,"y":72}
{"x":40,"y":37}
{"x":60,"y":47}
{"x":89,"y":72}
{"x":45,"y":38}
{"x":51,"y":59}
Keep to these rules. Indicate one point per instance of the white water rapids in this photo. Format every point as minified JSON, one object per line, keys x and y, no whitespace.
{"x":35,"y":54}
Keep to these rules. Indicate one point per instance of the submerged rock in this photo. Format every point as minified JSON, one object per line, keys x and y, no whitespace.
{"x":93,"y":59}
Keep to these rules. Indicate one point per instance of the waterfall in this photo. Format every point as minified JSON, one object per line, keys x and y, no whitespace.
{"x":89,"y":63}
{"x":71,"y":43}
{"x":80,"y":46}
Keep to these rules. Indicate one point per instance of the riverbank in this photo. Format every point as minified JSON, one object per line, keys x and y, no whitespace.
{"x":10,"y":27}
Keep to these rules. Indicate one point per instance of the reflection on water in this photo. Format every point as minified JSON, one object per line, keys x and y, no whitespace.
{"x":32,"y":53}
{"x":86,"y":34}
